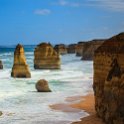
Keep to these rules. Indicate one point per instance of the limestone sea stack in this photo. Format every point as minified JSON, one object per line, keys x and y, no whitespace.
{"x":79,"y":48}
{"x":42,"y":86}
{"x":71,"y":48}
{"x":109,"y":80}
{"x":89,"y":48}
{"x":61,"y":49}
{"x":20,"y":68}
{"x":1,"y":65}
{"x":45,"y":57}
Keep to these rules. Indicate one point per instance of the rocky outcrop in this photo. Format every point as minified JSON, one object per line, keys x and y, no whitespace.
{"x":1,"y":113}
{"x":61,"y":49}
{"x":20,"y":68}
{"x":1,"y":65}
{"x":45,"y":57}
{"x":42,"y":86}
{"x":109,"y":80}
{"x":71,"y":48}
{"x":89,"y":48}
{"x":79,"y":48}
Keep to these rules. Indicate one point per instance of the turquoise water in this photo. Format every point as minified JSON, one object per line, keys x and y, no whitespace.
{"x":20,"y":102}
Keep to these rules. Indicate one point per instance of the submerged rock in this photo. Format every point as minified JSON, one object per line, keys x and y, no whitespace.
{"x":89,"y":49}
{"x":109,"y":80}
{"x":1,"y":65}
{"x":45,"y":57}
{"x":42,"y":86}
{"x":61,"y":49}
{"x":20,"y":68}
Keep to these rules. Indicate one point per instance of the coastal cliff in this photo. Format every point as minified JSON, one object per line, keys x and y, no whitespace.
{"x":79,"y":48}
{"x":89,"y":48}
{"x":72,"y":48}
{"x":20,"y":68}
{"x":1,"y":65}
{"x":45,"y":57}
{"x":61,"y":49}
{"x":109,"y":80}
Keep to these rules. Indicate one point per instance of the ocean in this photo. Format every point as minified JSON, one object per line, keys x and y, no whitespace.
{"x":22,"y":104}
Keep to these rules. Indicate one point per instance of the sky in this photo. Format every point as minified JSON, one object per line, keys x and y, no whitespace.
{"x":59,"y":21}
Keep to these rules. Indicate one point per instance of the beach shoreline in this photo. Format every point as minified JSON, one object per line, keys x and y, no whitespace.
{"x":86,"y":103}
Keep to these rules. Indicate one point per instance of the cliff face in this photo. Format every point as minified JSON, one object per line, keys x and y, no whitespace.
{"x":45,"y":57}
{"x":20,"y":68}
{"x":79,"y":48}
{"x":61,"y":49}
{"x":1,"y":65}
{"x":109,"y":80}
{"x":89,"y":48}
{"x":72,"y":48}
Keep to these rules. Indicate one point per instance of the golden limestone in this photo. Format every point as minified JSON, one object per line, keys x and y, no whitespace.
{"x":109,"y":80}
{"x":20,"y":68}
{"x":89,"y":49}
{"x":61,"y":49}
{"x":45,"y":57}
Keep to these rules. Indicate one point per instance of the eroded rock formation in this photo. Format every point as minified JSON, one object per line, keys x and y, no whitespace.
{"x":45,"y":57}
{"x":20,"y":68}
{"x":1,"y":113}
{"x":42,"y":86}
{"x":1,"y":65}
{"x":89,"y":48}
{"x":79,"y":48}
{"x":72,"y":48}
{"x":109,"y":80}
{"x":61,"y":49}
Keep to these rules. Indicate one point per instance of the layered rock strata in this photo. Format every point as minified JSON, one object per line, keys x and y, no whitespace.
{"x":71,"y":48}
{"x":109,"y":80}
{"x":20,"y":68}
{"x":1,"y":65}
{"x":45,"y":57}
{"x":61,"y":49}
{"x":89,"y":48}
{"x":79,"y":48}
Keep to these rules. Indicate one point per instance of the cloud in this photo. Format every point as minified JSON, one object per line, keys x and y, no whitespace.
{"x":67,"y":3}
{"x":114,"y":5}
{"x":42,"y":11}
{"x":62,"y":3}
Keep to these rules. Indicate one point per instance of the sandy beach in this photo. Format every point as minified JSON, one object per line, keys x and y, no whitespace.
{"x":86,"y":103}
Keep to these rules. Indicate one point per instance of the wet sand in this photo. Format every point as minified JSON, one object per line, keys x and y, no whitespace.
{"x":85,"y":103}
